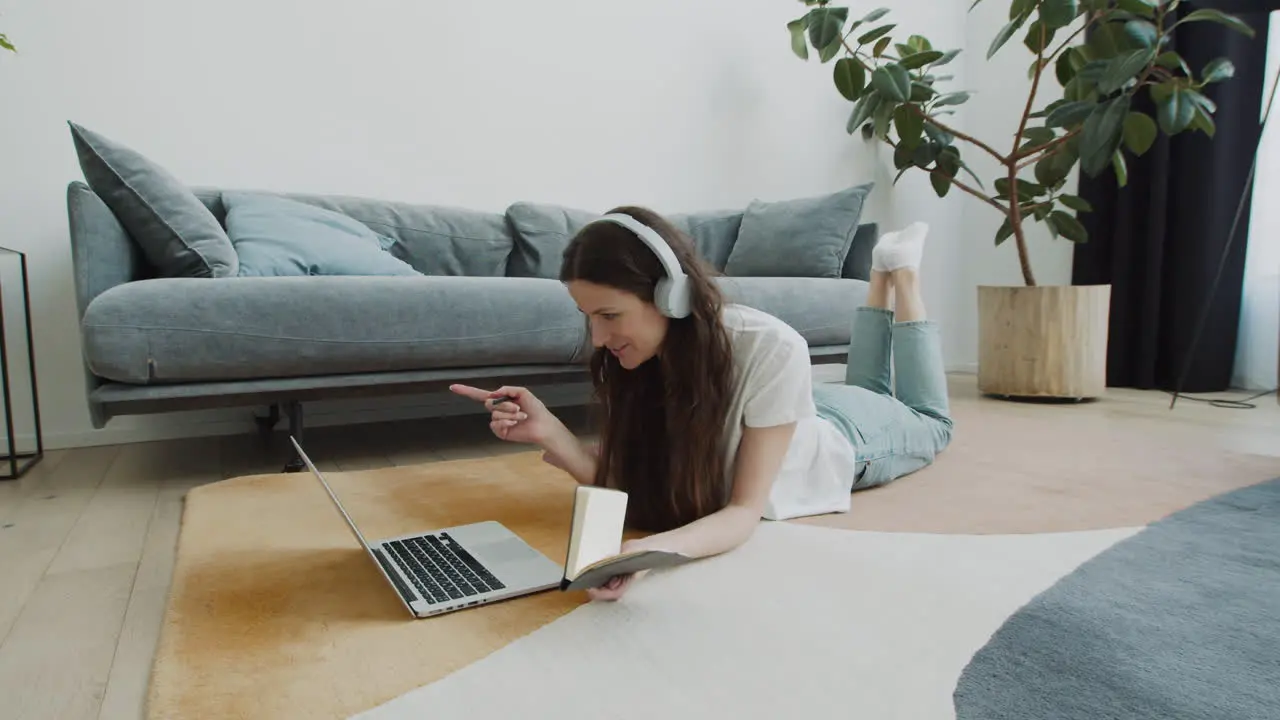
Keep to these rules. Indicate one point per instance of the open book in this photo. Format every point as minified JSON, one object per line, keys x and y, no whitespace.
{"x":595,"y":542}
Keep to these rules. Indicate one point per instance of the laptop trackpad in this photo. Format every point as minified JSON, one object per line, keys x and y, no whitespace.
{"x":512,"y":550}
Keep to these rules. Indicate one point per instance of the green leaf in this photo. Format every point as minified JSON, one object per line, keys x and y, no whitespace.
{"x":1021,"y":8}
{"x":925,"y":154}
{"x":1145,"y":8}
{"x":1068,"y":64}
{"x":1102,"y":134}
{"x":1045,"y":216}
{"x":1076,"y":203}
{"x":1175,"y":110}
{"x":850,"y":77}
{"x":1034,"y":42}
{"x":830,"y":51}
{"x":826,"y":24}
{"x":1121,"y":168}
{"x":941,"y":183}
{"x":1139,"y":132}
{"x":874,"y":15}
{"x":1142,"y":32}
{"x":798,"y":44}
{"x":1173,"y":61}
{"x":1203,"y":101}
{"x":4,"y":43}
{"x":920,"y":59}
{"x":1069,"y":227}
{"x":1005,"y":232}
{"x":1221,"y":18}
{"x":1109,"y":40}
{"x":1026,"y":189}
{"x":902,"y":157}
{"x":875,"y":34}
{"x":883,"y":118}
{"x":892,"y":82}
{"x":910,"y":125}
{"x":955,"y":98}
{"x":1057,"y":14}
{"x":919,"y":43}
{"x":1123,"y":69}
{"x":1037,"y":136}
{"x":949,"y":161}
{"x":1204,"y":122}
{"x":1070,"y":114}
{"x":1003,"y":36}
{"x":937,"y":135}
{"x":921,"y":92}
{"x":1217,"y":71}
{"x":1049,"y":172}
{"x":946,"y":58}
{"x":863,"y":111}
{"x":878,"y":50}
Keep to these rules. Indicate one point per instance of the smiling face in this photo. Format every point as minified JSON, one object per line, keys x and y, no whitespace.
{"x":629,"y":327}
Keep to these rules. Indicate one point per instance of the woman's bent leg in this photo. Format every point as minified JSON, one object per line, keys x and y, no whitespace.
{"x":889,"y":438}
{"x":870,"y":340}
{"x":917,"y":354}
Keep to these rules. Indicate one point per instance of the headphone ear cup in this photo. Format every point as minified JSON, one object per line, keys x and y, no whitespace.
{"x":674,"y":296}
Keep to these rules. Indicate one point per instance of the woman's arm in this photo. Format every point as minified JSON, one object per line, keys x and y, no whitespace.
{"x":565,"y":451}
{"x":759,"y":459}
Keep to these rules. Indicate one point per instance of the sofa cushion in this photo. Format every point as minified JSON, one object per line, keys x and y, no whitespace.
{"x":543,"y":231}
{"x":820,"y":309}
{"x":177,"y":233}
{"x":177,"y":330}
{"x":802,"y":237}
{"x":276,"y":236}
{"x":433,"y":239}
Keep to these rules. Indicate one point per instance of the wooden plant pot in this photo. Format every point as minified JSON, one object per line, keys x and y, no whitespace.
{"x":1043,"y":341}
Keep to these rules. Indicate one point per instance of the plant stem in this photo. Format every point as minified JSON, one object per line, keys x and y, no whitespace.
{"x":1015,"y":213}
{"x":966,"y":188}
{"x":1033,"y":156}
{"x":959,"y":135}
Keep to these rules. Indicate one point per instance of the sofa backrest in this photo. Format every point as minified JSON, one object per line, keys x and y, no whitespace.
{"x":525,"y":240}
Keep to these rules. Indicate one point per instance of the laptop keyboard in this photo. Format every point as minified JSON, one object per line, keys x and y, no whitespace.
{"x":441,"y":569}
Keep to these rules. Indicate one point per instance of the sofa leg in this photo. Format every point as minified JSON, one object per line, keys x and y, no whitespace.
{"x":294,"y":408}
{"x":267,"y":424}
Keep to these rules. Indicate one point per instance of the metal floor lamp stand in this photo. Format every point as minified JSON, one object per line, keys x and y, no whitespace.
{"x":19,"y":462}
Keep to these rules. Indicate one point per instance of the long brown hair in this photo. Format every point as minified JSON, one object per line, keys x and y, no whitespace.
{"x":663,"y":422}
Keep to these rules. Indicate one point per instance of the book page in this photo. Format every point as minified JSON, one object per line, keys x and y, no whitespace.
{"x":599,"y":515}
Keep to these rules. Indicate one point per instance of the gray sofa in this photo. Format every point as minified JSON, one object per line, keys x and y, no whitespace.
{"x":481,"y":304}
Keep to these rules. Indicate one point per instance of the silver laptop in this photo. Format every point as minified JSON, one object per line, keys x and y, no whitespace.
{"x":453,"y":568}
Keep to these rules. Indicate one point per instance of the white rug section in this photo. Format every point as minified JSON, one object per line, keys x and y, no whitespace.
{"x":800,"y":622}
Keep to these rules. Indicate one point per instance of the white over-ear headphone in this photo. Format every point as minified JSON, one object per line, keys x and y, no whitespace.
{"x":672,"y":292}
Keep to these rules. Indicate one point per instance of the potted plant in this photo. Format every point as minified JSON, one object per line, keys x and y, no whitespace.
{"x":1034,"y":341}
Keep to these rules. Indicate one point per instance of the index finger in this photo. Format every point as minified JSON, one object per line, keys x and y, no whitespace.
{"x":471,"y":392}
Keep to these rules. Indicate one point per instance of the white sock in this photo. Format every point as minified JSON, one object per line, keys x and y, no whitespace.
{"x":902,"y":249}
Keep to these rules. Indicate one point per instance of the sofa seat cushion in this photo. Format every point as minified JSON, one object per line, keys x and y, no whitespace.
{"x":820,"y":309}
{"x":168,"y":330}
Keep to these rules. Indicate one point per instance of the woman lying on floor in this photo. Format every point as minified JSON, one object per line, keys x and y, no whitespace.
{"x":712,"y":419}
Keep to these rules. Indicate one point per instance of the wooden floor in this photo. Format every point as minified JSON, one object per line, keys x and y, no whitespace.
{"x":87,"y":539}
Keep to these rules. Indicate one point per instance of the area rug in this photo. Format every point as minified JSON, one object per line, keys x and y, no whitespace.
{"x":1181,"y":621}
{"x":275,"y":612}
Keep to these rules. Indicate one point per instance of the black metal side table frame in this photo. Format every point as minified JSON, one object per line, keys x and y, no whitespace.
{"x":28,"y":459}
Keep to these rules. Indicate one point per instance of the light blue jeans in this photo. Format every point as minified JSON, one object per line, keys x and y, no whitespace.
{"x":893,"y":434}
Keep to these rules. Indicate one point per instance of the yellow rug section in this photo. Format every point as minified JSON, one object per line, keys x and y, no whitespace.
{"x":277,"y":612}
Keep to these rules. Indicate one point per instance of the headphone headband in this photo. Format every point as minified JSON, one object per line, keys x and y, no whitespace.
{"x":672,"y":293}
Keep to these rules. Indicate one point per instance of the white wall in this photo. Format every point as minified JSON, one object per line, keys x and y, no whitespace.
{"x":1257,"y":345}
{"x":461,"y":103}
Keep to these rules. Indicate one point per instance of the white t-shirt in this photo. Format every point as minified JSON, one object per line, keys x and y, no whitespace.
{"x":773,"y":385}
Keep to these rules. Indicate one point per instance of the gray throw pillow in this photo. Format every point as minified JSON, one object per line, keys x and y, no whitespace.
{"x":177,"y":234}
{"x":542,"y":232}
{"x":804,"y":237}
{"x":276,"y":236}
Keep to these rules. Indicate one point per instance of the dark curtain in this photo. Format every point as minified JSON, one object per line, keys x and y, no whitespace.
{"x":1159,"y":240}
